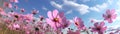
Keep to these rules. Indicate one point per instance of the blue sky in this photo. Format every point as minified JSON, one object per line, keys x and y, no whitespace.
{"x":85,"y":9}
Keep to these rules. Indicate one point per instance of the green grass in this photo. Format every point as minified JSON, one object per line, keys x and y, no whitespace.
{"x":5,"y":30}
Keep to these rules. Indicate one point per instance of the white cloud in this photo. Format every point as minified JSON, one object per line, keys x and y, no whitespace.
{"x":71,"y":21}
{"x":118,"y":4}
{"x":54,"y":4}
{"x":99,"y":7}
{"x":70,"y":5}
{"x":85,"y":0}
{"x":68,"y":12}
{"x":110,"y":1}
{"x":94,"y":8}
{"x":118,"y":11}
{"x":117,"y":19}
{"x":118,"y":14}
{"x":44,"y":8}
{"x":81,"y":8}
{"x":114,"y":26}
{"x":70,"y":0}
{"x":95,"y":20}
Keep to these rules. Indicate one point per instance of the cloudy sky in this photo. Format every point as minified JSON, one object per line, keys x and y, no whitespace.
{"x":85,"y":9}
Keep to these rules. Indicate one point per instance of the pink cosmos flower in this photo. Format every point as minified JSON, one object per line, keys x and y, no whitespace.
{"x":10,"y":27}
{"x":65,"y":22}
{"x":116,"y":31}
{"x":2,"y":12}
{"x":73,"y":32}
{"x":16,"y":16}
{"x":79,"y":23}
{"x":110,"y":15}
{"x":41,"y":18}
{"x":35,"y":11}
{"x":22,"y":10}
{"x":27,"y":32}
{"x":16,"y":26}
{"x":7,"y":21}
{"x":15,"y":6}
{"x":16,"y":1}
{"x":56,"y":20}
{"x":100,"y":28}
{"x":37,"y":30}
{"x":28,"y":17}
{"x":6,"y":4}
{"x":111,"y":33}
{"x":27,"y":29}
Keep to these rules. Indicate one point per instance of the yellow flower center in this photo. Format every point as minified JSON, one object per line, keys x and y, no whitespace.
{"x":77,"y":23}
{"x":56,"y":20}
{"x":109,"y":16}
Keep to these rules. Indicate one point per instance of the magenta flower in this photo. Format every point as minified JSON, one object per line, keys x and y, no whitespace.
{"x":65,"y":22}
{"x":56,"y":20}
{"x":100,"y":28}
{"x":110,"y":15}
{"x":79,"y":23}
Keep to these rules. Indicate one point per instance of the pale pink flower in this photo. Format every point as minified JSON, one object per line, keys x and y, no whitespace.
{"x":66,"y":23}
{"x":79,"y":23}
{"x":73,"y":32}
{"x":110,"y":15}
{"x":28,"y":17}
{"x":56,"y":20}
{"x":8,"y":5}
{"x":111,"y":33}
{"x":27,"y":28}
{"x":37,"y":30}
{"x":15,"y":1}
{"x":27,"y":32}
{"x":16,"y":16}
{"x":22,"y":10}
{"x":10,"y":27}
{"x":13,"y":26}
{"x":16,"y":26}
{"x":35,"y":11}
{"x":15,"y":6}
{"x":99,"y":27}
{"x":7,"y":21}
{"x":2,"y":12}
{"x":41,"y":18}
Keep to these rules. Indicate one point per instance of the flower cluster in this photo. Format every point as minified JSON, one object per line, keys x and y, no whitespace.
{"x":54,"y":24}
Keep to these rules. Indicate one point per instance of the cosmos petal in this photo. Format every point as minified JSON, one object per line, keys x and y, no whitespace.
{"x":50,"y":14}
{"x":55,"y":13}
